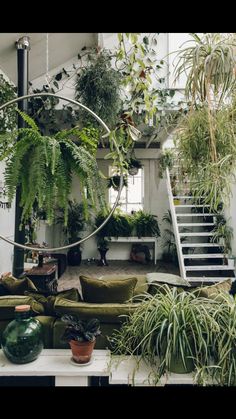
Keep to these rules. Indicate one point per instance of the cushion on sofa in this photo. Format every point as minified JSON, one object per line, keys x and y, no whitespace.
{"x":108,"y":312}
{"x":96,"y":290}
{"x":141,"y":286}
{"x":48,"y":302}
{"x":17,"y":286}
{"x":156,"y":279}
{"x":214,"y":291}
{"x":8,"y":303}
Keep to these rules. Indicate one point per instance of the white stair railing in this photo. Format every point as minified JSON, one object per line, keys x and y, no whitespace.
{"x":175,"y":226}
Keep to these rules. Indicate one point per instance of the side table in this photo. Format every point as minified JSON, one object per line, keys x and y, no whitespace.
{"x":44,"y":277}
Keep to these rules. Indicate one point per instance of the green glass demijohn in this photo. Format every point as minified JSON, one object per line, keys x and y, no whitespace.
{"x":22,"y":338}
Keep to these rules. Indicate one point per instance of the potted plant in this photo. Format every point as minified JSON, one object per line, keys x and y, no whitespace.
{"x":81,"y":336}
{"x":133,"y":166}
{"x":172,"y":330}
{"x":114,"y":182}
{"x":146,"y":224}
{"x":75,"y":224}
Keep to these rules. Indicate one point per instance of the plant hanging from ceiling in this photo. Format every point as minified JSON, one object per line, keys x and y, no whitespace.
{"x":98,"y":88}
{"x":206,"y":135}
{"x":43,"y":166}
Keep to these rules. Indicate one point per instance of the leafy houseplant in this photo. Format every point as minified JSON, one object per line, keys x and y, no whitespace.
{"x":223,"y":234}
{"x":8,"y":115}
{"x":81,"y":336}
{"x":166,"y":161}
{"x":119,"y":224}
{"x":76,"y":223}
{"x":146,"y":224}
{"x":114,"y":182}
{"x":49,"y":163}
{"x":171,"y":331}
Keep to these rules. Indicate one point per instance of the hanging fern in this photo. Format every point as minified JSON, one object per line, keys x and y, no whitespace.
{"x":44,"y":166}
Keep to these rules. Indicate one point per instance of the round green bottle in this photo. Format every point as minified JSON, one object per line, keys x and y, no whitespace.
{"x":22,"y":339}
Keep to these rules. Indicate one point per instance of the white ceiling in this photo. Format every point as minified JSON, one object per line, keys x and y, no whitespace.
{"x":62,"y":47}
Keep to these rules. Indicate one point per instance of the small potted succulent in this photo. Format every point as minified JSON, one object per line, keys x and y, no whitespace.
{"x":81,"y":336}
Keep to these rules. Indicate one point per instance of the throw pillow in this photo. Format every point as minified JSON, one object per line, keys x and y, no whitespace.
{"x":141,"y":286}
{"x":17,"y":286}
{"x":107,"y":291}
{"x":214,"y":291}
{"x":48,"y":300}
{"x":157,"y":279}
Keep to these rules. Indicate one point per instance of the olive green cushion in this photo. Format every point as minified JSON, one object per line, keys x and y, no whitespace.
{"x":47,"y":323}
{"x":17,"y":286}
{"x":141,"y":286}
{"x":108,"y":312}
{"x":48,"y":302}
{"x":8,"y":303}
{"x":96,"y":290}
{"x":214,"y":291}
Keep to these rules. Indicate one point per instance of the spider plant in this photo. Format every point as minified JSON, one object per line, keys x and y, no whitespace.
{"x":171,"y":331}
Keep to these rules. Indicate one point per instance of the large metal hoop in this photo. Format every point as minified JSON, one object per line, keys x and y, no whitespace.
{"x":55,"y":249}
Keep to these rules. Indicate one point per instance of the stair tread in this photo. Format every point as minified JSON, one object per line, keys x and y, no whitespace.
{"x":199,"y":233}
{"x":192,"y":206}
{"x":195,"y":224}
{"x":209,"y":268}
{"x":201,"y":245}
{"x":204,"y":256}
{"x":195,"y":215}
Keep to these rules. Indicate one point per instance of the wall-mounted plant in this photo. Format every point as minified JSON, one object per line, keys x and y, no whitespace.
{"x":43,"y":166}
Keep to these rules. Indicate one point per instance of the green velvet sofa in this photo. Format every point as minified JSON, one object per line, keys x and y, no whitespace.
{"x":48,"y":311}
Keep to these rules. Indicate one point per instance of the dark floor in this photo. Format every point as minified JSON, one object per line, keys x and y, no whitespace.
{"x":70,"y":278}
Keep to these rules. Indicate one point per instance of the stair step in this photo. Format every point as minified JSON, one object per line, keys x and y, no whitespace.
{"x":195,"y":224}
{"x":204,"y":256}
{"x":187,"y":197}
{"x":191,"y":206}
{"x":209,"y":268}
{"x":199,"y":233}
{"x":207,"y":278}
{"x":195,"y":215}
{"x":201,"y":245}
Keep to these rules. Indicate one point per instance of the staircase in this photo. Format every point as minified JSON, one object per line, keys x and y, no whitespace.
{"x":200,"y":260}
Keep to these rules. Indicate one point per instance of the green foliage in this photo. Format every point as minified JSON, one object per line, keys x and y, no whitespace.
{"x":169,"y":244}
{"x":208,"y":178}
{"x":168,"y":327}
{"x":43,"y":166}
{"x":119,"y":224}
{"x":114,"y":182}
{"x":223,"y":231}
{"x":7,"y":115}
{"x":98,"y":88}
{"x":80,"y":330}
{"x":76,"y":220}
{"x":146,"y":224}
{"x":166,"y":161}
{"x":132,"y":162}
{"x":210,"y":64}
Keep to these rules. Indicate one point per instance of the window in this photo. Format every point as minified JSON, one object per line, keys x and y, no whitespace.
{"x":131,"y":198}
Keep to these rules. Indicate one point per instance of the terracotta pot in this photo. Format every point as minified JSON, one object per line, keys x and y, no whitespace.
{"x":82,"y":351}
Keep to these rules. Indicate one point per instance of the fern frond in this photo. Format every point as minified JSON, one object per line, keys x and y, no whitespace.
{"x":28,"y":120}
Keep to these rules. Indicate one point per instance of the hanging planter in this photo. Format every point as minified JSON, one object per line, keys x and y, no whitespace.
{"x":133,"y":166}
{"x":114,"y":182}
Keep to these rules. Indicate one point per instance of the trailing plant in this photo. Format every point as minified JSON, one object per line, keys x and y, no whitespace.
{"x":80,"y":330}
{"x":98,"y":87}
{"x":171,"y":331}
{"x":114,"y":182}
{"x":7,"y":115}
{"x":43,"y":166}
{"x":166,"y":161}
{"x":223,"y":231}
{"x":146,"y":224}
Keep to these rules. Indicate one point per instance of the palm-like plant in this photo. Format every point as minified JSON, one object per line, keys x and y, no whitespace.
{"x":43,"y":166}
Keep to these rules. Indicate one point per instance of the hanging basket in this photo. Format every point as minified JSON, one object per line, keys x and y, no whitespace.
{"x":133,"y":171}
